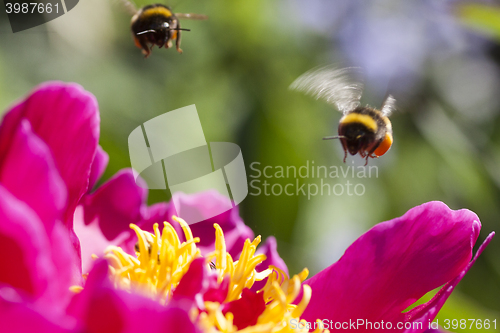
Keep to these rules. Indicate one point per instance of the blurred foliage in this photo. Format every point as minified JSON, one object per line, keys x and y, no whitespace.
{"x":460,"y":307}
{"x":484,"y":18}
{"x":236,"y":67}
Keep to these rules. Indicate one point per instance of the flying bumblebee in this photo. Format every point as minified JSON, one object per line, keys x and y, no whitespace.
{"x":362,"y":130}
{"x":156,"y":25}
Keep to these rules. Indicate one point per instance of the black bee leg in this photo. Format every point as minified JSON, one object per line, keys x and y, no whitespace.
{"x":145,"y":48}
{"x":178,"y":41}
{"x":367,"y":157}
{"x":345,"y":155}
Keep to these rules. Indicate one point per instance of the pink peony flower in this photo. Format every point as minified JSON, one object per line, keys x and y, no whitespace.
{"x":184,"y":279}
{"x":100,"y":307}
{"x":394,"y":264}
{"x":106,"y":214}
{"x":49,"y":161}
{"x":47,"y":146}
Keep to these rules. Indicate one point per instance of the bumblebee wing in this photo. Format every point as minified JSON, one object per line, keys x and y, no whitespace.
{"x":389,"y":106}
{"x":129,"y":6}
{"x":340,"y":87}
{"x":191,"y":16}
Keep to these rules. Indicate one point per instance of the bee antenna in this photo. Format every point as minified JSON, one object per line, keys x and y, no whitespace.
{"x":181,"y":29}
{"x":334,"y":137}
{"x":145,"y":32}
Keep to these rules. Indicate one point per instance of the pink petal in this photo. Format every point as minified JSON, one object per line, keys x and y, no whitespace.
{"x":26,"y":258}
{"x":67,"y":262}
{"x":195,"y":281}
{"x":247,"y":309}
{"x":99,"y":164}
{"x":98,"y":307}
{"x":270,"y":249}
{"x":92,"y":239}
{"x":104,"y":217}
{"x":106,"y":313}
{"x":204,"y":204}
{"x":66,"y":118}
{"x":175,"y":320}
{"x":235,"y":233}
{"x":426,"y":313}
{"x":102,"y":308}
{"x":116,"y":204}
{"x":216,"y":292}
{"x":29,"y":172}
{"x":33,"y":260}
{"x":19,"y":316}
{"x":158,"y":213}
{"x":394,"y":264}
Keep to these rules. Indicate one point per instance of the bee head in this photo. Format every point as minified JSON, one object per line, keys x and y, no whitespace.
{"x":156,"y":36}
{"x":354,"y":145}
{"x":355,"y":137}
{"x":164,"y":32}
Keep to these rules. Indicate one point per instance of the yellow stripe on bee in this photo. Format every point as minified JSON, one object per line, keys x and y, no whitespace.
{"x":156,"y":11}
{"x":364,"y":119}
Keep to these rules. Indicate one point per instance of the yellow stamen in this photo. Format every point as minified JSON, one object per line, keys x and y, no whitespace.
{"x":162,"y":260}
{"x":75,"y":289}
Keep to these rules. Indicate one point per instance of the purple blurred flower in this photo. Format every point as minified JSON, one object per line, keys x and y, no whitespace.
{"x":392,"y":41}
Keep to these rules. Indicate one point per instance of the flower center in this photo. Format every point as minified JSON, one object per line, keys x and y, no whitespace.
{"x":162,"y":260}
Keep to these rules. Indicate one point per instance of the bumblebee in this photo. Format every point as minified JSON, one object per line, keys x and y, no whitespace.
{"x":157,"y":25}
{"x":362,"y":130}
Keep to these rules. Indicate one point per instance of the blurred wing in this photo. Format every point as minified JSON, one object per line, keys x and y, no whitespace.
{"x":389,"y":106}
{"x":191,"y":16}
{"x":340,"y":87}
{"x":128,"y":5}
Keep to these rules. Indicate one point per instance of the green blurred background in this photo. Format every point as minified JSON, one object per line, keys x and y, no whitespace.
{"x":237,"y":66}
